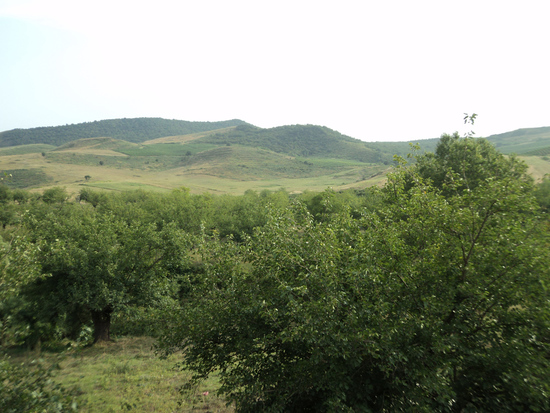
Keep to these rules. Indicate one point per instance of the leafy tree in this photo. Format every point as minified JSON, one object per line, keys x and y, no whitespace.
{"x":55,"y":195}
{"x":30,"y":388}
{"x":92,"y":197}
{"x":18,"y":267}
{"x":433,"y":303}
{"x":24,"y":388}
{"x":543,"y":194}
{"x":20,"y":196}
{"x":5,"y":194}
{"x":329,"y":203}
{"x":465,"y":163}
{"x":100,"y":264}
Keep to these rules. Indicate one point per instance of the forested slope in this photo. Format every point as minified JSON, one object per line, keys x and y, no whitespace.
{"x":131,"y":130}
{"x":301,"y":140}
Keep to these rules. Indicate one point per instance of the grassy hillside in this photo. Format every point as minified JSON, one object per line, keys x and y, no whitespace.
{"x":202,"y":167}
{"x":97,"y":144}
{"x":22,"y":150}
{"x":522,"y":141}
{"x":131,"y":130}
{"x":231,"y":159}
{"x":299,"y":140}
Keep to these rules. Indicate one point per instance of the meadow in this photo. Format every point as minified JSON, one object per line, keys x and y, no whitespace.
{"x":163,"y":167}
{"x":125,"y":374}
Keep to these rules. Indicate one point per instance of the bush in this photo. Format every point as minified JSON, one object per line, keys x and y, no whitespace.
{"x":30,"y":388}
{"x":55,"y":195}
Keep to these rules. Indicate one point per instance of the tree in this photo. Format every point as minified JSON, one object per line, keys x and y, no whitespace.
{"x":465,"y":163}
{"x":100,"y":264}
{"x":55,"y":195}
{"x":543,"y":194}
{"x":24,"y":388}
{"x":434,"y":302}
{"x":18,"y":268}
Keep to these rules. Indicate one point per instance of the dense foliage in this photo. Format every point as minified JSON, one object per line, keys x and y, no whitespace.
{"x":428,"y":294}
{"x":100,"y":263}
{"x":436,"y":301}
{"x":31,"y":388}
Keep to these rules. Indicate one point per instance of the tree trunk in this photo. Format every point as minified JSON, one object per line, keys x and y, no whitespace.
{"x":102,"y":324}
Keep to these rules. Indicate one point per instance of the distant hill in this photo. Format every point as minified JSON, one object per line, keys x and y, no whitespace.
{"x":309,"y":141}
{"x":132,"y":130}
{"x":97,"y":143}
{"x":525,"y":141}
{"x":222,"y":157}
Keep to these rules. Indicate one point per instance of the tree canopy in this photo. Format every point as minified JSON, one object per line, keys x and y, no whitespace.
{"x":98,"y":263}
{"x":437,"y":300}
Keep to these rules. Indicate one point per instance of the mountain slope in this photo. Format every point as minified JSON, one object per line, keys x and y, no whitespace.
{"x":131,"y":130}
{"x":299,"y":140}
{"x":522,"y":141}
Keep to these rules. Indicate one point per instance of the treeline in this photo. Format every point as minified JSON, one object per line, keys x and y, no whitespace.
{"x":428,"y":294}
{"x":51,"y":216}
{"x":132,"y":130}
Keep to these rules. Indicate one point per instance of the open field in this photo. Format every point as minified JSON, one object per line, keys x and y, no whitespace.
{"x":22,"y":150}
{"x":538,"y":166}
{"x":170,"y":149}
{"x":219,"y":170}
{"x":120,"y":166}
{"x":127,"y":375}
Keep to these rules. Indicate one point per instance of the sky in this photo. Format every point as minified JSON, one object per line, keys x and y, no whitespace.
{"x":373,"y":70}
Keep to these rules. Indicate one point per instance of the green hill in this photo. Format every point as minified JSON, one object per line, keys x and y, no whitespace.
{"x":522,"y":141}
{"x":300,"y":140}
{"x":223,"y":157}
{"x":98,"y":144}
{"x":131,"y":130}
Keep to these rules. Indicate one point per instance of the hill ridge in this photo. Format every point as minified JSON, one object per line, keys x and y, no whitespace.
{"x":135,"y":130}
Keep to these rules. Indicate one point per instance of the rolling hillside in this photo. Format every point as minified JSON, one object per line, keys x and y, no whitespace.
{"x":299,"y":140}
{"x":230,"y":159}
{"x":522,"y":141}
{"x":131,"y":130}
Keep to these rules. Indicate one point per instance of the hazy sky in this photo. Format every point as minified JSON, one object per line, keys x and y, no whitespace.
{"x":373,"y":70}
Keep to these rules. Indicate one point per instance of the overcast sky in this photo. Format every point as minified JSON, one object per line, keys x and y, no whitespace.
{"x":373,"y":70}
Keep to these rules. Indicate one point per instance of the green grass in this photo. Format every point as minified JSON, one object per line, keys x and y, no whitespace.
{"x":123,"y":162}
{"x":128,"y":375}
{"x":539,"y":152}
{"x":24,"y":149}
{"x":168,"y":149}
{"x":97,"y":143}
{"x":26,"y":178}
{"x":125,"y":186}
{"x":522,"y":141}
{"x":331,"y":162}
{"x":538,"y":166}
